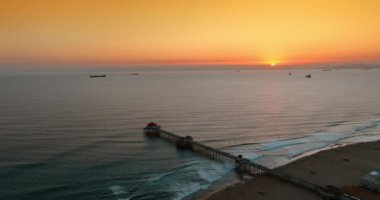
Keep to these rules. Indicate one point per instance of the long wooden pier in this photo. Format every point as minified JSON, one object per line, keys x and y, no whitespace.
{"x":241,"y":164}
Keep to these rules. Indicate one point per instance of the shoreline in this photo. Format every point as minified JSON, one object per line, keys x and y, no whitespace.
{"x":342,"y":165}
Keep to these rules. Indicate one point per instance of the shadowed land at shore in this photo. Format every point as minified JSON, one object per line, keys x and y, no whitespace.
{"x":341,"y":167}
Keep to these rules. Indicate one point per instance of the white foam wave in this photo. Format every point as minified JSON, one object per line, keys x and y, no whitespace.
{"x":276,"y":153}
{"x":203,"y":174}
{"x":214,"y":172}
{"x":188,"y":189}
{"x":117,"y":190}
{"x":156,"y":177}
{"x":279,"y":144}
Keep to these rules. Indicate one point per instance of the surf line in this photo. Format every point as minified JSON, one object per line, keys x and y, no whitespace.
{"x":242,"y":165}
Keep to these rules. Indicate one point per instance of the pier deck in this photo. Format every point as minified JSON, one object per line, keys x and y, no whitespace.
{"x":242,"y":165}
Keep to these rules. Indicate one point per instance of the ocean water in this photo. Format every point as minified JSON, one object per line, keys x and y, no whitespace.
{"x":66,"y":136}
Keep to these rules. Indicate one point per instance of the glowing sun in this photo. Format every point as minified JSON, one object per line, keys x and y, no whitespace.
{"x":272,"y":64}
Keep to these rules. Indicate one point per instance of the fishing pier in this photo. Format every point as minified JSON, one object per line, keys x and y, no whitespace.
{"x":241,"y":164}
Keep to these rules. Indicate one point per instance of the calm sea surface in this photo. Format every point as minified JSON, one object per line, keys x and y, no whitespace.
{"x":66,"y":136}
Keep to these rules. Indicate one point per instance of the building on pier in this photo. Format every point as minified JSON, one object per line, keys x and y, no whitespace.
{"x":152,"y":129}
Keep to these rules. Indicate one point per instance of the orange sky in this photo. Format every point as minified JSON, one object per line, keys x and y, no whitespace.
{"x":149,"y":32}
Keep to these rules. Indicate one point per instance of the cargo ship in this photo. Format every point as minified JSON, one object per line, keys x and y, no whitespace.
{"x":98,"y":76}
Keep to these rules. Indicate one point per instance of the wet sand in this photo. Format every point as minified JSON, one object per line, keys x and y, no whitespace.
{"x":342,"y":167}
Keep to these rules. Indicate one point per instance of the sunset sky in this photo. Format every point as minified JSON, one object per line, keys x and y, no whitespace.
{"x":192,"y":32}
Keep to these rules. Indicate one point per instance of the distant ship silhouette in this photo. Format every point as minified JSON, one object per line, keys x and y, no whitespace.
{"x":98,"y":76}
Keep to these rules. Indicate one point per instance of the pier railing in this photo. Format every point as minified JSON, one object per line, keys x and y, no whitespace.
{"x":242,"y":164}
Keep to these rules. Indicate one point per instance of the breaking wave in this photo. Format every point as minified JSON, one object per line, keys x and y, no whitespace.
{"x":280,"y":152}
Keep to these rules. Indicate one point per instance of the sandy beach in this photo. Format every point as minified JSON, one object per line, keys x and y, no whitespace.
{"x":342,"y":167}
